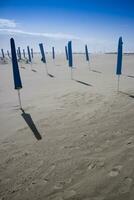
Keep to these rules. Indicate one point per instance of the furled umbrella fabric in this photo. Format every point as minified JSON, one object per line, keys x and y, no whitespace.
{"x":24,"y":53}
{"x":53,"y":53}
{"x":32,"y":52}
{"x":66,"y":52}
{"x":119,"y":57}
{"x":19,"y":53}
{"x":2,"y":51}
{"x":29,"y":55}
{"x":43,"y":59}
{"x":70,"y":56}
{"x":16,"y":73}
{"x":86,"y":51}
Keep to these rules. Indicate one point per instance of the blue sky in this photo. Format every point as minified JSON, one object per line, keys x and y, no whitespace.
{"x":99,"y":23}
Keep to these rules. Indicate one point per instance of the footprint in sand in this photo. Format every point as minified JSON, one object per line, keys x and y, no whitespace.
{"x":96,"y":163}
{"x":68,"y":181}
{"x":115,"y":171}
{"x":61,"y":184}
{"x":51,"y":168}
{"x":126,"y":185}
{"x":69,"y":194}
{"x":70,"y":147}
{"x":84,"y":135}
{"x":39,"y":182}
{"x":91,"y":166}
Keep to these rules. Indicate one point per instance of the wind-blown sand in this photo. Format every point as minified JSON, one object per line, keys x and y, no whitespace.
{"x":81,"y":146}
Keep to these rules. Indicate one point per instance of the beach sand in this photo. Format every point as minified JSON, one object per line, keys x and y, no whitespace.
{"x":75,"y":138}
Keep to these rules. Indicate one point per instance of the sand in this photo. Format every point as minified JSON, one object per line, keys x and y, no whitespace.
{"x":75,"y":138}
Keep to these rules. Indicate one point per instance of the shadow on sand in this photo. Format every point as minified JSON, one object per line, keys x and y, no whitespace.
{"x":50,"y":75}
{"x":33,"y":70}
{"x":129,"y":95}
{"x":28,"y":119}
{"x":84,"y":83}
{"x":130,"y":76}
{"x":96,"y":71}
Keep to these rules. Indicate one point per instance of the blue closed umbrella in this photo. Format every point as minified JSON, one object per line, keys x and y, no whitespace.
{"x":8,"y":53}
{"x":19,"y":53}
{"x":16,"y":73}
{"x":53,"y":53}
{"x":29,"y":55}
{"x":86,"y":51}
{"x":2,"y":51}
{"x":24,"y":53}
{"x":32,"y":52}
{"x":119,"y":59}
{"x":70,"y":56}
{"x":66,"y":52}
{"x":43,"y":59}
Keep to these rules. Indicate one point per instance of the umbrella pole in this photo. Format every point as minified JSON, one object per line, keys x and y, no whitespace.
{"x":54,"y":61}
{"x":118,"y":85}
{"x":71,"y":73}
{"x":89,"y":65}
{"x":46,"y":68}
{"x":31,"y":65}
{"x":20,"y":105}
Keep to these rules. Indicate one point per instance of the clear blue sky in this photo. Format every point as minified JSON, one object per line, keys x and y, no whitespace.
{"x":98,"y":23}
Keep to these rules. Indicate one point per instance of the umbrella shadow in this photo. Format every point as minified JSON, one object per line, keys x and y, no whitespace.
{"x":127,"y":75}
{"x":129,"y":95}
{"x":58,"y":65}
{"x":28,"y":119}
{"x":50,"y":75}
{"x":33,"y":70}
{"x":96,"y":71}
{"x":84,"y":83}
{"x":130,"y":76}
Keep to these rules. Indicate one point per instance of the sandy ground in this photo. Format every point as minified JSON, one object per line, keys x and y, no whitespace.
{"x":75,"y":138}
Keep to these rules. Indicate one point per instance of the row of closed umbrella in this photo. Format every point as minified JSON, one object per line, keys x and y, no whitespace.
{"x":69,"y":57}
